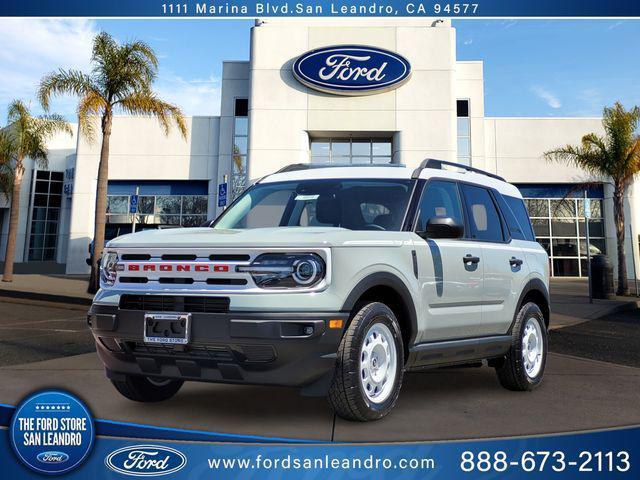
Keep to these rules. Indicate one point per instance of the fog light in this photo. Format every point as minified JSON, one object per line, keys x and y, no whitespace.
{"x":308,"y":330}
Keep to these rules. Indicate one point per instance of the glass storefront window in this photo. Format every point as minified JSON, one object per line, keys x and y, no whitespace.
{"x":240,"y":147}
{"x":167,"y":204}
{"x":183,"y":210}
{"x":350,"y":151}
{"x":45,"y":213}
{"x":118,"y":204}
{"x":464,"y":131}
{"x":559,"y":227}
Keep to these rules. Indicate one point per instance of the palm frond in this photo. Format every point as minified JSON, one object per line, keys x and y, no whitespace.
{"x":8,"y":152}
{"x":147,"y":103}
{"x":17,"y":112}
{"x":90,"y":106}
{"x":65,"y":82}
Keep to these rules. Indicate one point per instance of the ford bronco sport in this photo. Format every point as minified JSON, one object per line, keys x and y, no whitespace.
{"x":335,"y":280}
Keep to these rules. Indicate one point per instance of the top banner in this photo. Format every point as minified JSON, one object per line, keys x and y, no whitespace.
{"x":321,"y":8}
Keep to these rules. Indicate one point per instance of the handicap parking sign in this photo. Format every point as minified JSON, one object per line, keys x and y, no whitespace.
{"x":133,"y":207}
{"x":222,"y":195}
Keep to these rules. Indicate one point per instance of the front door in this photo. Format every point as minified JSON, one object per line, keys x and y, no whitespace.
{"x":450,"y":270}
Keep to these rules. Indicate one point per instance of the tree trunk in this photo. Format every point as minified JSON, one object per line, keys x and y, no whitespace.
{"x":618,"y":213}
{"x":101,"y":205}
{"x":14,"y":222}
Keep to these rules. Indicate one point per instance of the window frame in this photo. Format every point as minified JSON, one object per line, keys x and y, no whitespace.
{"x":416,"y":214}
{"x":506,"y":235}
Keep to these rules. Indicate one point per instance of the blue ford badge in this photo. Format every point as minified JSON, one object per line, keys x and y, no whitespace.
{"x":145,"y":460}
{"x":52,"y":457}
{"x":351,"y":70}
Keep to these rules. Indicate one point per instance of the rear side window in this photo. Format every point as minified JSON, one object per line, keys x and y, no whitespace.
{"x":519,"y":210}
{"x":484,"y":220}
{"x":515,"y":230}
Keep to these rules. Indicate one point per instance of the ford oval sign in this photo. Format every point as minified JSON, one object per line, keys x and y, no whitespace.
{"x":52,"y":457}
{"x":351,"y":70}
{"x":146,"y":460}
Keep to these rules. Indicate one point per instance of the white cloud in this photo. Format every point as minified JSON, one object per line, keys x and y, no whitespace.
{"x":32,"y":48}
{"x":469,"y":41}
{"x":551,"y":99}
{"x":194,"y":97}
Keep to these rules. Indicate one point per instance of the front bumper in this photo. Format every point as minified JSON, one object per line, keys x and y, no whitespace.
{"x":231,"y":347}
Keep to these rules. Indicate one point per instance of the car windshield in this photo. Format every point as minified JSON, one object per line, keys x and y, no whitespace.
{"x":359,"y":204}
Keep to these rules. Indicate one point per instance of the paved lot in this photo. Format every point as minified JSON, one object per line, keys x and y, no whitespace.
{"x":30,"y":333}
{"x":437,"y":405}
{"x":613,"y":338}
{"x":36,"y":343}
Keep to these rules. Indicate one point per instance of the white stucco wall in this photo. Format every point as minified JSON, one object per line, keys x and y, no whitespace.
{"x":419,"y":116}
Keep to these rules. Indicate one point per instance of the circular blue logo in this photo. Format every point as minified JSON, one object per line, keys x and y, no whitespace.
{"x":52,"y":432}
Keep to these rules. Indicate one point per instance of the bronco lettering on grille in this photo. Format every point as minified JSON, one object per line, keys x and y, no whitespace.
{"x":172,"y":267}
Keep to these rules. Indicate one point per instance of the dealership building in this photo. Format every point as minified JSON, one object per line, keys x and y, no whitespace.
{"x":270,"y":118}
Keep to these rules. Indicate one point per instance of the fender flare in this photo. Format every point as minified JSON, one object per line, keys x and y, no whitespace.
{"x":535,"y":284}
{"x":385,"y":279}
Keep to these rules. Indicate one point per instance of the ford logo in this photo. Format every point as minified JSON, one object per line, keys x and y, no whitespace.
{"x":52,"y":457}
{"x":146,"y":460}
{"x":351,"y":70}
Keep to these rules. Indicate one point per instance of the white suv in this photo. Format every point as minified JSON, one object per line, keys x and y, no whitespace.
{"x":336,"y":280}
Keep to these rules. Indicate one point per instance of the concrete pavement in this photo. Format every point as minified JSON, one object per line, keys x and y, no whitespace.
{"x":577,"y":394}
{"x":441,"y":404}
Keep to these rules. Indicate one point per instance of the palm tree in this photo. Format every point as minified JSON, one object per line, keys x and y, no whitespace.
{"x":25,"y":136}
{"x":615,"y":156}
{"x":7,"y":153}
{"x":120,"y":80}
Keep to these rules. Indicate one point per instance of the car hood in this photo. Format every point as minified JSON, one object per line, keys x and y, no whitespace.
{"x":257,"y":237}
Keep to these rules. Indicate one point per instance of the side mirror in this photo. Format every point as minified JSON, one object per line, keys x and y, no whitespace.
{"x":442,"y":227}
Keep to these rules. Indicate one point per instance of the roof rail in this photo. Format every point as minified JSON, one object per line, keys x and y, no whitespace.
{"x":439,"y":164}
{"x":294,"y":167}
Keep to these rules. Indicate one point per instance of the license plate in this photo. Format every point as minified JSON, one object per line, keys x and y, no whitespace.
{"x":169,"y":329}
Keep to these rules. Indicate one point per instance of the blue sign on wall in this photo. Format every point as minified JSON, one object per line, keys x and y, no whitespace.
{"x":133,"y":208}
{"x":351,"y":70}
{"x":222,"y":195}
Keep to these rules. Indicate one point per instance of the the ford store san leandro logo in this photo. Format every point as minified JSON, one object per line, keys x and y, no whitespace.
{"x":52,"y":457}
{"x":351,"y":70}
{"x":146,"y":460}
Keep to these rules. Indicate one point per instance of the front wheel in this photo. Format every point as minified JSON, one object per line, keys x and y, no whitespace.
{"x":523,"y":367}
{"x":369,"y":365}
{"x":147,"y":389}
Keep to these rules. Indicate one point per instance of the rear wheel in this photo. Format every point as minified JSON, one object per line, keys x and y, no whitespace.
{"x":369,"y":365}
{"x":147,"y":389}
{"x":523,"y":367}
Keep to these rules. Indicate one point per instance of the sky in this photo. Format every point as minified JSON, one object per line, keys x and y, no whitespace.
{"x":531,"y":67}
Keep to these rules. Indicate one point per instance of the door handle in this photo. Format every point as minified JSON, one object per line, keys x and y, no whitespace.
{"x":515,"y":262}
{"x":470,"y":259}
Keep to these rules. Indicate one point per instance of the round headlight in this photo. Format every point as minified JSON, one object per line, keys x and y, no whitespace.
{"x":306,"y":271}
{"x":109,"y":268}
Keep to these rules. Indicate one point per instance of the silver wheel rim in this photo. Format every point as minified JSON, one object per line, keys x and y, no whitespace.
{"x":532,"y":348}
{"x":378,"y":363}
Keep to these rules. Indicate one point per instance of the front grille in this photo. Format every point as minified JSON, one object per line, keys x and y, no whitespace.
{"x":173,"y":303}
{"x":220,"y":354}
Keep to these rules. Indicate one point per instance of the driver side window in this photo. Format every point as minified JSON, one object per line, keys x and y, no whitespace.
{"x":440,"y":199}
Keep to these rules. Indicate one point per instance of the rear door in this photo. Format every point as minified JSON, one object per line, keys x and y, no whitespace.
{"x":504,"y":267}
{"x":450,"y":270}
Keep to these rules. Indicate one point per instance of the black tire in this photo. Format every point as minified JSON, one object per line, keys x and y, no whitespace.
{"x":143,"y":389}
{"x":346,"y":393}
{"x":511,"y":371}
